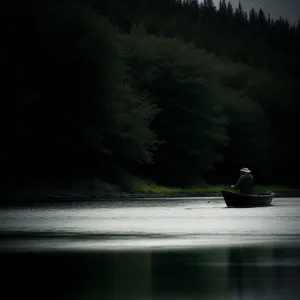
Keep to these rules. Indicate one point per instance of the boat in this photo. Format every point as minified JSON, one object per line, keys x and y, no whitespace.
{"x":235,"y":199}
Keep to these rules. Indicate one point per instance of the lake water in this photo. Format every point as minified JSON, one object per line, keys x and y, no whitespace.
{"x":193,"y":248}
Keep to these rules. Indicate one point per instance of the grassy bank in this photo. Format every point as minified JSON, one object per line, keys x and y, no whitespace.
{"x":133,"y":188}
{"x":149,"y":187}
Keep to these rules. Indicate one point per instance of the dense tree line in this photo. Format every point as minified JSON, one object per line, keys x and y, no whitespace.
{"x":175,"y":91}
{"x":253,"y":38}
{"x":68,"y":100}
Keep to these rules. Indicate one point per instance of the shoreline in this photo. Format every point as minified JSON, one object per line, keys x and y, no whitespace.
{"x":64,"y":197}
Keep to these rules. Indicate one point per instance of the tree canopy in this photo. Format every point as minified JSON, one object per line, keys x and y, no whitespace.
{"x":176,"y":91}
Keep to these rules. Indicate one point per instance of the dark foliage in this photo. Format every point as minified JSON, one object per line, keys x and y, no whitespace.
{"x":176,"y":91}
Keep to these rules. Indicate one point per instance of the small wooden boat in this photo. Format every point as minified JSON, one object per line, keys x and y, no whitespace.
{"x":234,"y":199}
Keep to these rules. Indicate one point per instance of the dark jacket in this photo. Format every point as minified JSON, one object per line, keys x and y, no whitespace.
{"x":245,"y":184}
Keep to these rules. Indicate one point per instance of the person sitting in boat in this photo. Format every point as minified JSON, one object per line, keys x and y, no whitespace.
{"x":245,"y":182}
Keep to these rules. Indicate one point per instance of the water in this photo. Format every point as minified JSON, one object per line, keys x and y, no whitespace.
{"x":151,"y":249}
{"x":139,"y":224}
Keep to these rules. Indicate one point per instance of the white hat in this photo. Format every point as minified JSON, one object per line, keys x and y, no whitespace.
{"x":246,"y":170}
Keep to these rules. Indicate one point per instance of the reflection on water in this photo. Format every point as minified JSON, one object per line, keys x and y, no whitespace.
{"x":134,"y":250}
{"x":218,"y":273}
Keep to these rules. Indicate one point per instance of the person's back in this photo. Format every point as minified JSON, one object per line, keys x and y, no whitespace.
{"x":245,"y":182}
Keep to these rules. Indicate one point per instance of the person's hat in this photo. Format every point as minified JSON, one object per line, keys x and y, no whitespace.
{"x":245,"y":170}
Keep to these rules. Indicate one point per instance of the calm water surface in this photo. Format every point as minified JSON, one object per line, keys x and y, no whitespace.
{"x":151,"y":249}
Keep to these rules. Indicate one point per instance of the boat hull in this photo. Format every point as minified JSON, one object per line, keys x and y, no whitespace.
{"x":234,"y":199}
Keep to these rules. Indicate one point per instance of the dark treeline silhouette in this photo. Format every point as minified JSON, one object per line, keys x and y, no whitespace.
{"x":253,"y":38}
{"x":174,"y":91}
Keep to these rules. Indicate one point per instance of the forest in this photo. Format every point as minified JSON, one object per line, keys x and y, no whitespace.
{"x":177,"y":92}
